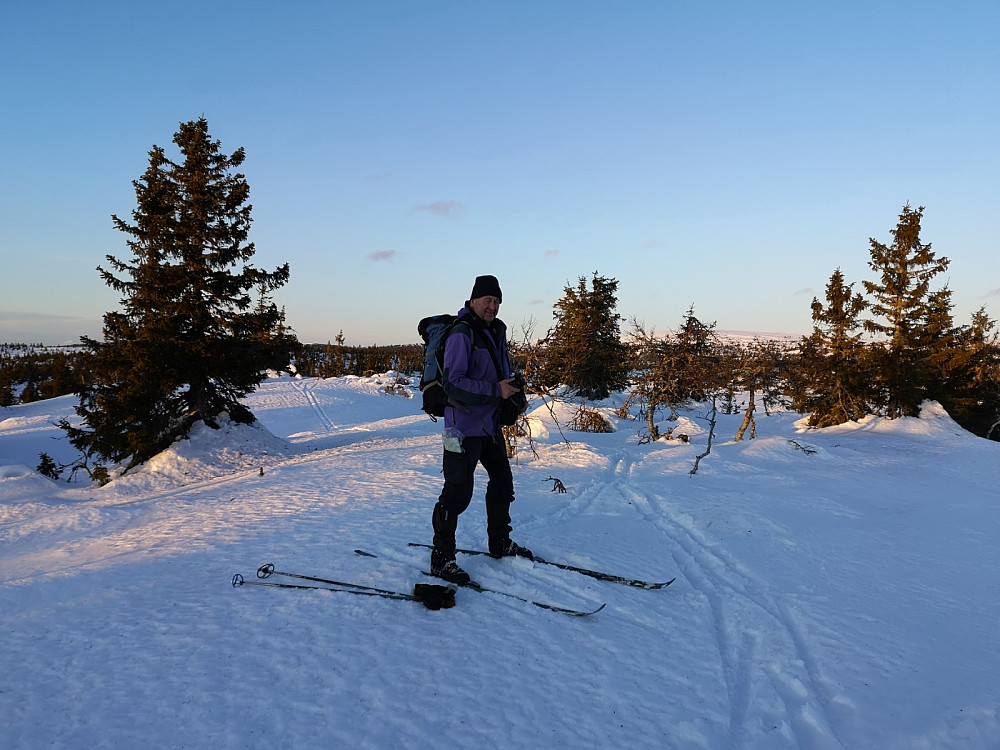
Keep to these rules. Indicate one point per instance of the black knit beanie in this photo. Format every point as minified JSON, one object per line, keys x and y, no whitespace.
{"x":486,"y":286}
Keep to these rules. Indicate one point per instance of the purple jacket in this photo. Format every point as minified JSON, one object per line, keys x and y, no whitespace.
{"x":471,"y":378}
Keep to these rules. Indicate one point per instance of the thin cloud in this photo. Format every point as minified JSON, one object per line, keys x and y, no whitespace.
{"x":804,"y":291}
{"x":650,"y":244}
{"x":382,"y":255}
{"x":445,"y":209}
{"x":378,"y":179}
{"x":16,"y":317}
{"x":551,"y":253}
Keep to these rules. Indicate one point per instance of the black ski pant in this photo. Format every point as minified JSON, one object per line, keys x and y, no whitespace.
{"x":459,"y":482}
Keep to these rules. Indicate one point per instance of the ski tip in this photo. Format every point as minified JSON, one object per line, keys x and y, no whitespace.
{"x":654,"y":586}
{"x":579,"y":613}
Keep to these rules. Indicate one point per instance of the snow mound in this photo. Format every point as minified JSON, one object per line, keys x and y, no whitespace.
{"x":14,"y":471}
{"x":932,"y":420}
{"x":207,"y":454}
{"x":21,"y":484}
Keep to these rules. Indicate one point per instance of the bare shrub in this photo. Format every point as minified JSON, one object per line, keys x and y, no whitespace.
{"x":587,"y":419}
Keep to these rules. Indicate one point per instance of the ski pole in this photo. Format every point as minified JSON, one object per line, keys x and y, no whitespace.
{"x":267,"y":570}
{"x":238,"y":580}
{"x":432,"y":597}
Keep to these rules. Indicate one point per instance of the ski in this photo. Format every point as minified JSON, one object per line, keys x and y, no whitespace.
{"x":635,"y":582}
{"x":473,"y":586}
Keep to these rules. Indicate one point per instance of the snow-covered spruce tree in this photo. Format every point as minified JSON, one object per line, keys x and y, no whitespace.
{"x":903,"y":304}
{"x":584,"y":350}
{"x":834,"y":358}
{"x":188,"y":342}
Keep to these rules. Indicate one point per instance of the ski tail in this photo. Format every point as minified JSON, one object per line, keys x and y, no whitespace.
{"x":479,"y":588}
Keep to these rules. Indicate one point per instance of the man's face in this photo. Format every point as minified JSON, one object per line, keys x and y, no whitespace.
{"x":485,"y":307}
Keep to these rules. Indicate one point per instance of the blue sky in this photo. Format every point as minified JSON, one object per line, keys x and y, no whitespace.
{"x":726,"y":155}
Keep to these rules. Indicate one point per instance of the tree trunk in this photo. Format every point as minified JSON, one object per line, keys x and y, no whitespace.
{"x":748,"y":420}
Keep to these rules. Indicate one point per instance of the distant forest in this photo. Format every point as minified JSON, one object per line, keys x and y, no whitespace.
{"x":658,"y":374}
{"x":32,"y":372}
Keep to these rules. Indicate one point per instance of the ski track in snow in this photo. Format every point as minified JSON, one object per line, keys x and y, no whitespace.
{"x":744,"y":613}
{"x":747,"y":617}
{"x":306,"y":388}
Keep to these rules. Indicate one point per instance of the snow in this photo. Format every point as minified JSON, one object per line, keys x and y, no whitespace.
{"x":835,"y":588}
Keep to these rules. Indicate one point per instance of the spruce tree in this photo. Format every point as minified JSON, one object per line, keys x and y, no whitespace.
{"x":62,"y":379}
{"x":903,"y":304}
{"x":584,"y":350}
{"x":967,"y":375}
{"x":188,"y":342}
{"x":6,"y":390}
{"x":834,"y":357}
{"x":697,"y":356}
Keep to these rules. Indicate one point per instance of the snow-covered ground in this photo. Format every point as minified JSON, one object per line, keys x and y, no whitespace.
{"x":835,"y":588}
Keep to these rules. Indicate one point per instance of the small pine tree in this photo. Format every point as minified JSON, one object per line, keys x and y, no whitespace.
{"x":47,"y":466}
{"x":339,"y":356}
{"x":937,"y":340}
{"x":834,"y":357}
{"x":335,"y":361}
{"x":188,"y":342}
{"x":584,"y":350}
{"x":6,"y":391}
{"x":696,"y":347}
{"x":30,"y":392}
{"x":968,"y":375}
{"x":686,"y":365}
{"x":62,"y":378}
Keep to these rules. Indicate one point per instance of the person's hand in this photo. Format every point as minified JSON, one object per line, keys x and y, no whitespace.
{"x":506,"y":389}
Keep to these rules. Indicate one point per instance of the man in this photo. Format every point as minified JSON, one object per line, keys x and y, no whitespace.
{"x":477,"y":379}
